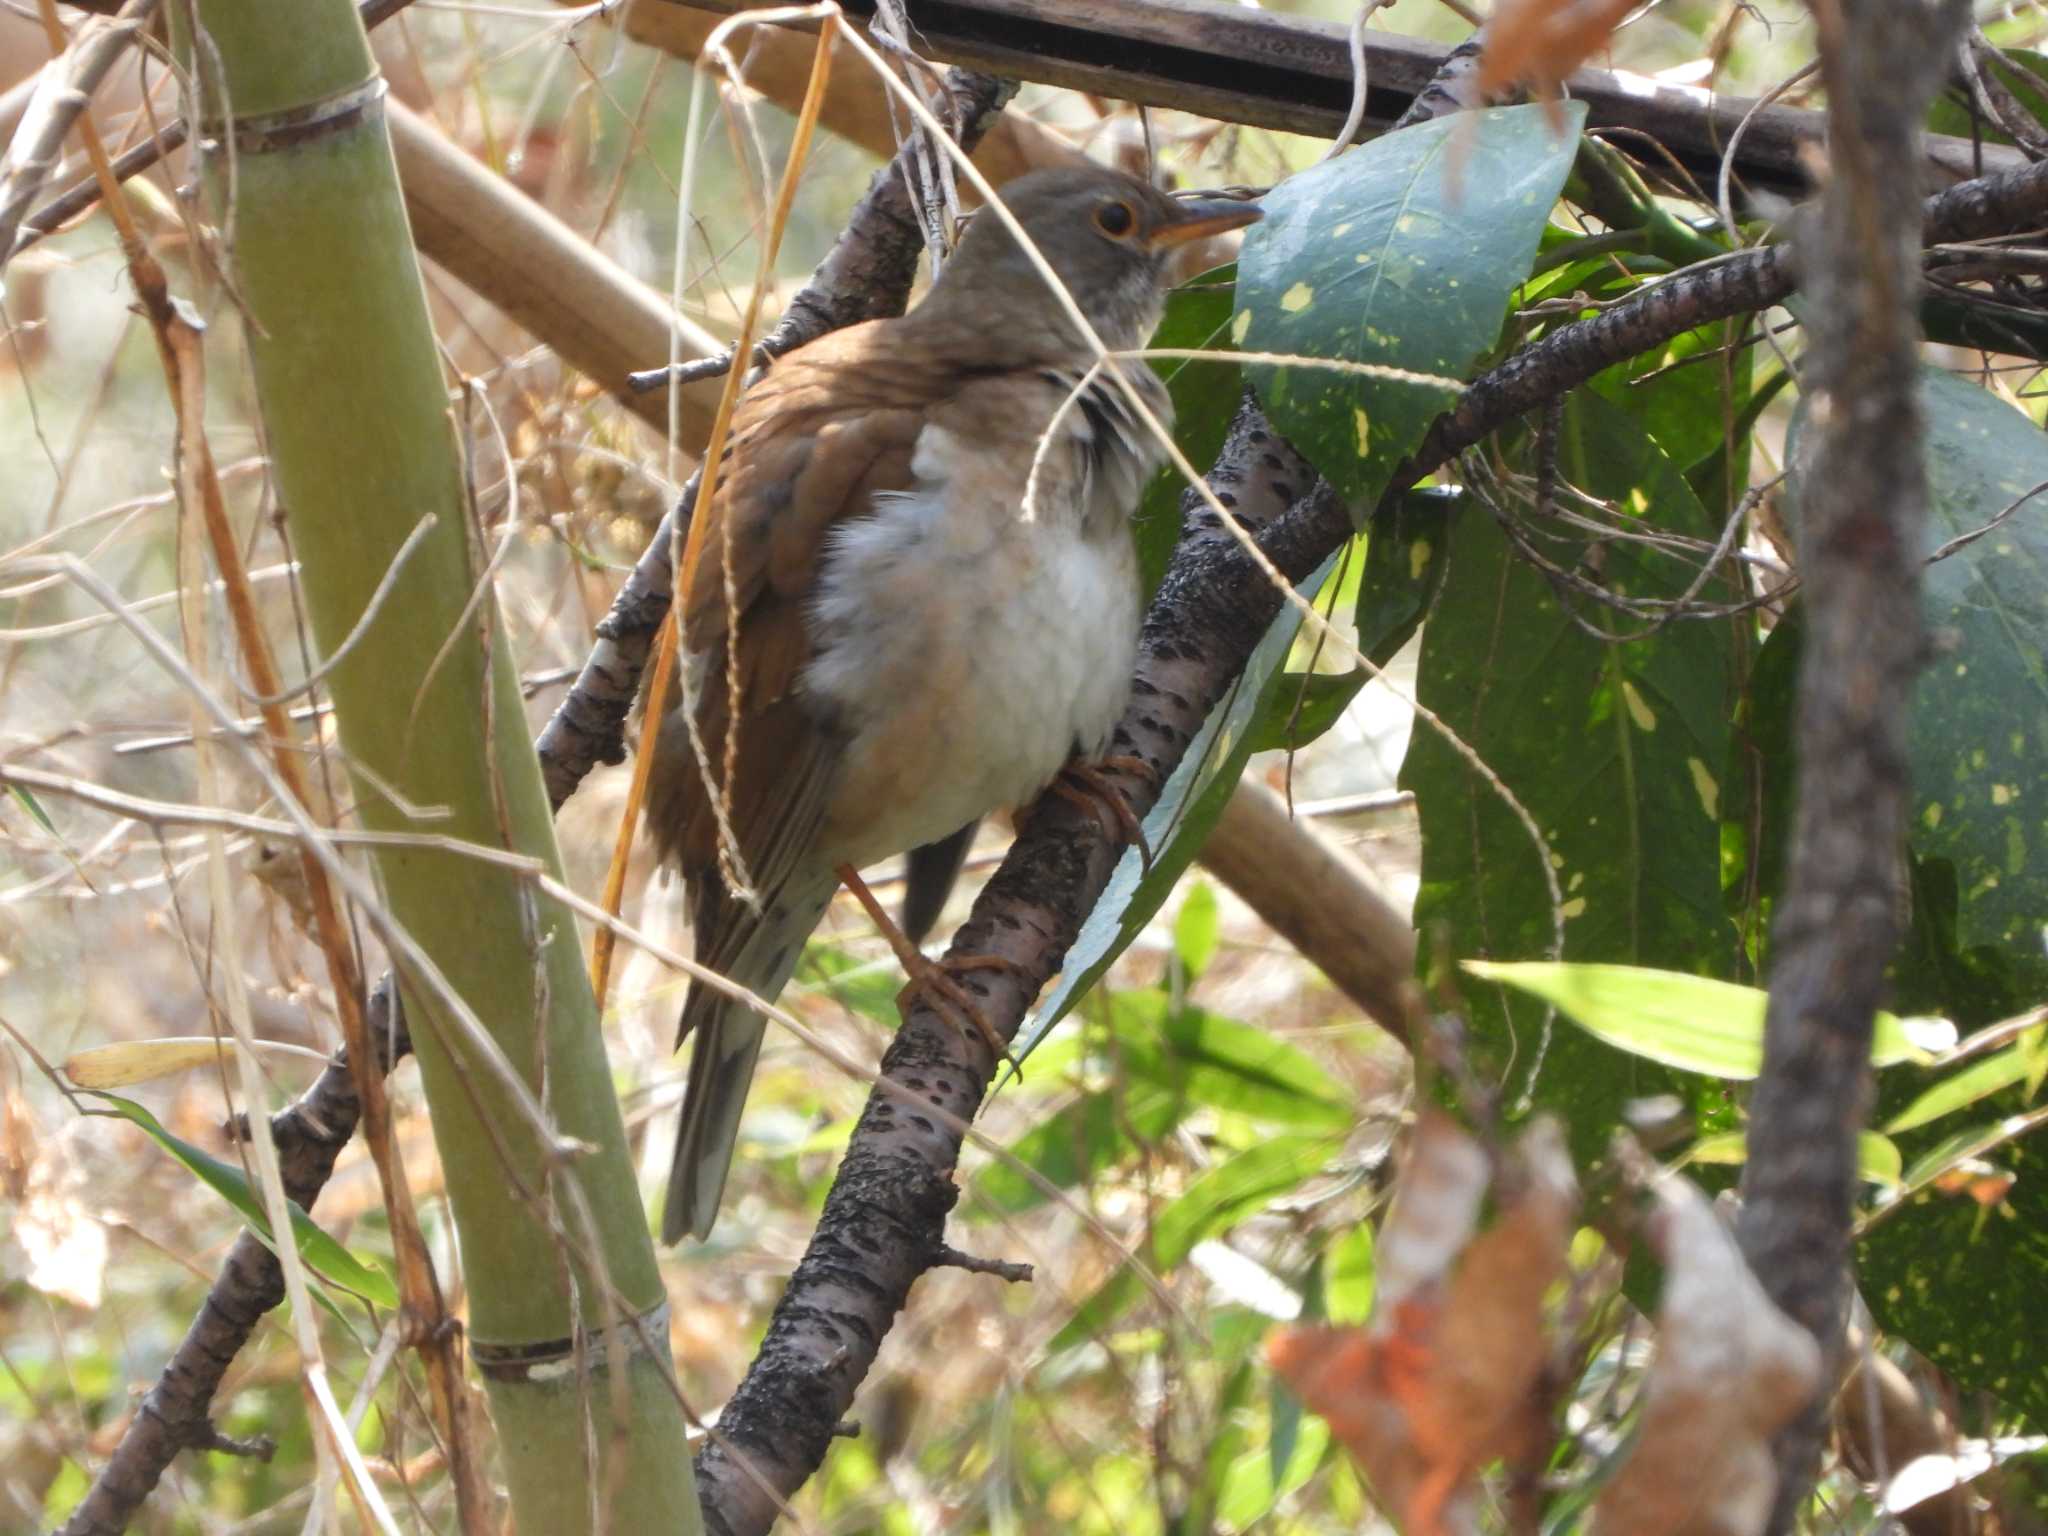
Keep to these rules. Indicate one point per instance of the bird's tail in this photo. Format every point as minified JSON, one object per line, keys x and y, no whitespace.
{"x":727,"y":1040}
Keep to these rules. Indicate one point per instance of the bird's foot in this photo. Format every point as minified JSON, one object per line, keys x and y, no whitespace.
{"x":936,"y":981}
{"x":933,"y":979}
{"x":1089,"y":786}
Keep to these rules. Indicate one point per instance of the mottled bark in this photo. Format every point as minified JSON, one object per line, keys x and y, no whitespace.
{"x":1863,"y":509}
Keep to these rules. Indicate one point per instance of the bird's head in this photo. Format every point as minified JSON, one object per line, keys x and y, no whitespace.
{"x":1112,"y":239}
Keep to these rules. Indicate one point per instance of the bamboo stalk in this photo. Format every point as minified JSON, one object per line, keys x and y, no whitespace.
{"x":554,"y":1240}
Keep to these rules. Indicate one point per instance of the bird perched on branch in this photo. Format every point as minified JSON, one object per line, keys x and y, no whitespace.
{"x":918,"y":585}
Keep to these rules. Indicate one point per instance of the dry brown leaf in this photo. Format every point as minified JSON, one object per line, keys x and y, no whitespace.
{"x":127,"y":1062}
{"x":1439,"y":1383}
{"x":1536,"y":44}
{"x":1731,"y":1370}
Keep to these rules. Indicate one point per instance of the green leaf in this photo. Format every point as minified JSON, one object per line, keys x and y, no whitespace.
{"x":868,"y":987}
{"x":1301,"y":706}
{"x":1178,"y":825}
{"x":1404,"y":567}
{"x":321,"y":1253}
{"x":1214,"y":1203}
{"x":1613,"y":747}
{"x":2028,"y":84}
{"x":1964,"y":1284}
{"x":1207,"y":1059}
{"x":1686,"y":398}
{"x":1979,"y":729}
{"x":1094,"y":1132}
{"x":1693,"y":1023}
{"x":1348,"y":1277}
{"x":1401,"y":253}
{"x":1198,"y":929}
{"x":1168,"y":1063}
{"x":1205,"y":393}
{"x":1972,"y":1084}
{"x":1249,"y":1487}
{"x":1877,"y":1157}
{"x":34,"y":807}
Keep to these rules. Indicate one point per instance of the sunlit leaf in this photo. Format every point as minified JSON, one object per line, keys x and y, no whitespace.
{"x":1693,"y":1023}
{"x":1878,"y":1158}
{"x":1387,"y":255}
{"x":1348,"y":1279}
{"x":1967,"y":1085}
{"x":1198,"y":928}
{"x":1094,"y":1132}
{"x":1224,"y":1064}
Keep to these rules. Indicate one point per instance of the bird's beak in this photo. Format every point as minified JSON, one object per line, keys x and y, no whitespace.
{"x":1201,"y":218}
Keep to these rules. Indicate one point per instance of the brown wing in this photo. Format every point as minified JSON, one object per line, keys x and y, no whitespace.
{"x":828,"y":427}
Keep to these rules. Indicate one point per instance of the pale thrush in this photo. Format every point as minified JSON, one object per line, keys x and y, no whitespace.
{"x":917,"y":645}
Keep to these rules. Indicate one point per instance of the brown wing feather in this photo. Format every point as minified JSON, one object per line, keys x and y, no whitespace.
{"x":830,"y":426}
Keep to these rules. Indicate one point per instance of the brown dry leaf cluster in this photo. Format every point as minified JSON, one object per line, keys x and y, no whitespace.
{"x":1446,"y":1377}
{"x":1731,"y":1370}
{"x":1442,"y":1380}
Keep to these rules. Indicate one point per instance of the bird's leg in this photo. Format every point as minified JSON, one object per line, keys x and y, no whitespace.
{"x":933,"y":978}
{"x":1088,"y":786}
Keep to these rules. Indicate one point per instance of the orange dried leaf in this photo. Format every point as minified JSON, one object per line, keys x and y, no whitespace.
{"x":1439,"y":1383}
{"x":1538,"y":43}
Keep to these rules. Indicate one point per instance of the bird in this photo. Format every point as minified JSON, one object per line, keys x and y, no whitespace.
{"x":918,"y":585}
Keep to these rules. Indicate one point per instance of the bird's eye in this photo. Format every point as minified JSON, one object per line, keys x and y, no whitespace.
{"x":1115,"y":219}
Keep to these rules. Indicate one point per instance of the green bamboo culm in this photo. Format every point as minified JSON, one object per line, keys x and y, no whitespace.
{"x":363,"y":445}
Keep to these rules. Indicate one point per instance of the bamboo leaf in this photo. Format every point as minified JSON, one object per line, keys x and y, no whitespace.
{"x":321,"y":1253}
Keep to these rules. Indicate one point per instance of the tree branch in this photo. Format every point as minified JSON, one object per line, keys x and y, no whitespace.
{"x":1863,"y":509}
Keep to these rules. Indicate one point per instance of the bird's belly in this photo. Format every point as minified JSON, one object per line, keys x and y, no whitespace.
{"x":976,"y":666}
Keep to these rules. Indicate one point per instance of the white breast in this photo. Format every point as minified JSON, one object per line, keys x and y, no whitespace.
{"x":970,"y":650}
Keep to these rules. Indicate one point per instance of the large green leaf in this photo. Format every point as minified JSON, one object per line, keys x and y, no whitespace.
{"x":1186,"y":813}
{"x":1208,"y":1060}
{"x":1613,"y":747}
{"x":1979,"y":735}
{"x":1688,"y":393}
{"x":1401,"y":253}
{"x":1959,"y":1281}
{"x":1966,"y":1086}
{"x":1092,"y":1133}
